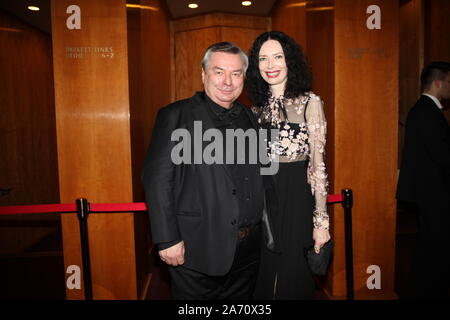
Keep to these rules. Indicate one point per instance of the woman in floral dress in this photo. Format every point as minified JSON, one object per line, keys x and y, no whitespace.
{"x":278,"y":83}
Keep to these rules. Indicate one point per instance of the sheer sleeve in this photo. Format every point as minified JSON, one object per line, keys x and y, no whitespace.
{"x":317,"y":175}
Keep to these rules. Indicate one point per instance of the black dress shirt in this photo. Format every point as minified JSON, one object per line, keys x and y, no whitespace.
{"x":244,"y":175}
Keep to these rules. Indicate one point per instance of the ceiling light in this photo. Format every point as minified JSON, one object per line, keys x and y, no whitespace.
{"x":33,"y":8}
{"x":246,"y":3}
{"x":193,"y":5}
{"x":10,"y":29}
{"x":138,"y":6}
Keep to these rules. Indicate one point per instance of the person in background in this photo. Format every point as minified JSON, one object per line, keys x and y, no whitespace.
{"x":424,"y":182}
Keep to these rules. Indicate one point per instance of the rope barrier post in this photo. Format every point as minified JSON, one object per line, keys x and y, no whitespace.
{"x":347,"y":203}
{"x":82,"y":213}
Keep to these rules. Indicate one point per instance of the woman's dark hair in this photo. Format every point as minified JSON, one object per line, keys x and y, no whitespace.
{"x":299,"y":73}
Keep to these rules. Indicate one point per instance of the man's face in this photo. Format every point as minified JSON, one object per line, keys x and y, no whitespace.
{"x":444,"y":89}
{"x":224,"y":78}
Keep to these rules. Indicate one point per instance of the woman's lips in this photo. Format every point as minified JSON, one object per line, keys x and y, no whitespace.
{"x":272,"y":74}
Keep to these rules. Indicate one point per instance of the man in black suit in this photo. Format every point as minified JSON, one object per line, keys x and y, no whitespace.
{"x":205,"y":217}
{"x":425,"y":182}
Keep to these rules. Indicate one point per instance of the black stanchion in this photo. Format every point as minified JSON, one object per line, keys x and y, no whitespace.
{"x":347,"y":203}
{"x":82,"y":213}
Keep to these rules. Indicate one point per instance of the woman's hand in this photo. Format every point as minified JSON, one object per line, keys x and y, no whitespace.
{"x":320,"y":237}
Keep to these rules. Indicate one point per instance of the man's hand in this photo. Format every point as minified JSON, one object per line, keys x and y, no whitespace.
{"x":173,"y":255}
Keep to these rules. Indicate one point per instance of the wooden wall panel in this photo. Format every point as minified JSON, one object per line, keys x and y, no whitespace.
{"x":366,"y":117}
{"x":243,"y":39}
{"x":155,"y":78}
{"x":220,"y":20}
{"x":150,"y":87}
{"x":28,"y":161}
{"x":437,"y":24}
{"x":437,"y":37}
{"x":135,"y":91}
{"x":192,"y":36}
{"x":93,"y":133}
{"x":289,"y":16}
{"x":189,"y":49}
{"x":141,"y":225}
{"x":320,"y":53}
{"x":411,"y":60}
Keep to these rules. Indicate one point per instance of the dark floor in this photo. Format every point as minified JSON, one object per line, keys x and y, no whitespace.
{"x":38,"y":272}
{"x":160,"y":285}
{"x":405,"y":244}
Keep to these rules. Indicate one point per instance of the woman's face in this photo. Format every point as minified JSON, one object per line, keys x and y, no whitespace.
{"x":272,"y":64}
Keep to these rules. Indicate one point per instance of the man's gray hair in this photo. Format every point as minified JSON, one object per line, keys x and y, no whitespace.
{"x":227,"y":47}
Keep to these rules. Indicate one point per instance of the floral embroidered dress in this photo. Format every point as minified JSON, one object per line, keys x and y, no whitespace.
{"x":301,"y":188}
{"x":302,"y":136}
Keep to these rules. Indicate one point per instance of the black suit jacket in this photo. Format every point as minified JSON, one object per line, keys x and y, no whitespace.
{"x":425,"y":168}
{"x":193,"y":202}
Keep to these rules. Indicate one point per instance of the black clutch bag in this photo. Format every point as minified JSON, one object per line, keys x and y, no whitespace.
{"x":318,"y":262}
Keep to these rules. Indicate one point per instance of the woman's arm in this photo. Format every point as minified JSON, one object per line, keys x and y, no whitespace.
{"x":317,"y":174}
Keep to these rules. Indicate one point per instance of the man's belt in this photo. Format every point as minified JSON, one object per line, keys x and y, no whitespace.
{"x":245,"y":231}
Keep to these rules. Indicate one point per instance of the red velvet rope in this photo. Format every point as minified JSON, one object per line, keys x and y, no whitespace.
{"x":117,"y":207}
{"x":334,"y":198}
{"x":98,"y":207}
{"x":39,"y":208}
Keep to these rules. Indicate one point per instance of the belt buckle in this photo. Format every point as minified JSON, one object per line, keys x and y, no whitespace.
{"x":243,"y":233}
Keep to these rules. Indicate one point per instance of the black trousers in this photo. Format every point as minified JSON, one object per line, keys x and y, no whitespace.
{"x":431,"y":270}
{"x":237,"y":284}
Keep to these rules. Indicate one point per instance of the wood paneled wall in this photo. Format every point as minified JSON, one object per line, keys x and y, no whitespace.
{"x":356,"y":72}
{"x":28,"y":161}
{"x":289,"y":16}
{"x":192,"y":36}
{"x":149,"y":65}
{"x":154,"y":85}
{"x":93,"y":133}
{"x":421,"y":42}
{"x":437,"y":37}
{"x":366,"y":126}
{"x":188,"y":55}
{"x":437,"y":24}
{"x":411,"y":60}
{"x":320,"y":53}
